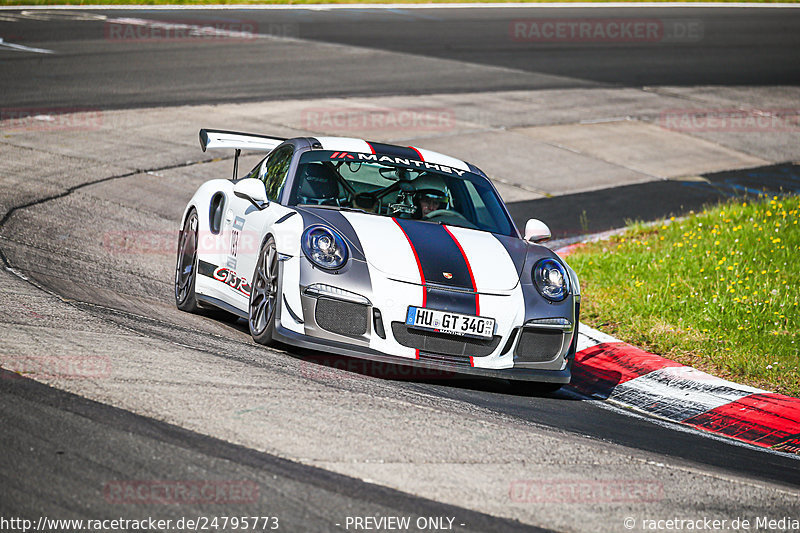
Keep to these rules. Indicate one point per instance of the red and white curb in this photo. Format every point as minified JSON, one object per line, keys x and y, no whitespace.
{"x":607,"y":369}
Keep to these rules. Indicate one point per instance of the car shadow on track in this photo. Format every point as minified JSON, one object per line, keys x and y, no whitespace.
{"x":330,"y":367}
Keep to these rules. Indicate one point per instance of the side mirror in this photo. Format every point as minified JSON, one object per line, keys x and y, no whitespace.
{"x":537,"y":231}
{"x":252,"y":189}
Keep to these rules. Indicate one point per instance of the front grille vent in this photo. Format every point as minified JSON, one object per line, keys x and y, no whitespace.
{"x":443,"y":344}
{"x":538,"y":345}
{"x":345,"y":318}
{"x":461,"y":361}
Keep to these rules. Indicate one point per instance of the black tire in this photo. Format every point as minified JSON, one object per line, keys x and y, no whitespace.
{"x":186,"y":268}
{"x":264,"y":293}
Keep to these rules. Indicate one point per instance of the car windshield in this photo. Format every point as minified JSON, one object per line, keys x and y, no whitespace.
{"x":397,"y":187}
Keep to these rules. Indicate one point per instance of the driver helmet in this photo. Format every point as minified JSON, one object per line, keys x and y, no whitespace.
{"x":430,"y":193}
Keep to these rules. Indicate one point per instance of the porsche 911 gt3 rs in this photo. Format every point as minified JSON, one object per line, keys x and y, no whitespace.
{"x":389,"y":253}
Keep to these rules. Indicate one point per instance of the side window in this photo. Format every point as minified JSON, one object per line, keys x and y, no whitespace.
{"x":484,"y":218}
{"x":275,"y":171}
{"x":256,"y":172}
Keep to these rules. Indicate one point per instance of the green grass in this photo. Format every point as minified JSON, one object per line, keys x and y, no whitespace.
{"x":717,"y":290}
{"x":301,"y":2}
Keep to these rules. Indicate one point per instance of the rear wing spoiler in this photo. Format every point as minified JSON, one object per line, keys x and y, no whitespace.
{"x":238,"y":141}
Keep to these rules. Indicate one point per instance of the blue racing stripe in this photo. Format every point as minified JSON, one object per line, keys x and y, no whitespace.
{"x":395,"y":151}
{"x":442,"y":265}
{"x":443,"y":300}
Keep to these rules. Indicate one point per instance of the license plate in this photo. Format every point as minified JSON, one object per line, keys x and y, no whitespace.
{"x":450,"y":323}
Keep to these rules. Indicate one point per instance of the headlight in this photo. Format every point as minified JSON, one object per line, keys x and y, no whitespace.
{"x":324,"y":247}
{"x":551,"y":279}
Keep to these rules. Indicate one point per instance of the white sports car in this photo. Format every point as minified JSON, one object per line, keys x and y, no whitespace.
{"x":388,"y":253}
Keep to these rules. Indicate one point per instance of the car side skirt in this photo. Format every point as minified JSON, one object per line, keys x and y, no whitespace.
{"x":209,"y":301}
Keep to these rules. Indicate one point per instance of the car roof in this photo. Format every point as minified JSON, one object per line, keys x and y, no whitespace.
{"x":350,"y":144}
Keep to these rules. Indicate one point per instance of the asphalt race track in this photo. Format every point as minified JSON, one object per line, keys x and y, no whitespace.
{"x":710,"y":47}
{"x":88,"y":213}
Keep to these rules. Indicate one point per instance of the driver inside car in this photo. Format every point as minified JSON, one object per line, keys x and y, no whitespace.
{"x":430,"y":195}
{"x":427,"y":204}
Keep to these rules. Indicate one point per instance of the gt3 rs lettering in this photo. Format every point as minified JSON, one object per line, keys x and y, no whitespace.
{"x":230,"y":278}
{"x":224,"y":275}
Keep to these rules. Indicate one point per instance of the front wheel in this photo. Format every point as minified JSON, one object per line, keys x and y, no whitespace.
{"x":264,"y":294}
{"x":186,"y":269}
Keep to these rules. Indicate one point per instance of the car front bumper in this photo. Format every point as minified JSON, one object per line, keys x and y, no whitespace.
{"x":286,"y":336}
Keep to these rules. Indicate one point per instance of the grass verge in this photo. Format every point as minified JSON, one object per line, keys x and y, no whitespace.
{"x":717,"y":290}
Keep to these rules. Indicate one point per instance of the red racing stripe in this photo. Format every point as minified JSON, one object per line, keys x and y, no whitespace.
{"x":419,"y":154}
{"x":419,"y":266}
{"x":469,"y":268}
